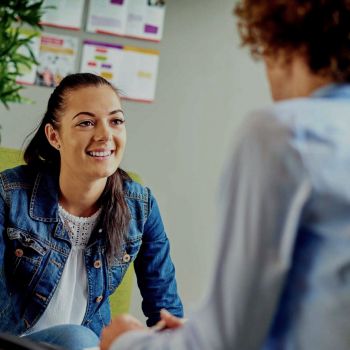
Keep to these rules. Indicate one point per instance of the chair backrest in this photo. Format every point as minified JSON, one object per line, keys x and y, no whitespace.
{"x":10,"y":158}
{"x":120,"y":300}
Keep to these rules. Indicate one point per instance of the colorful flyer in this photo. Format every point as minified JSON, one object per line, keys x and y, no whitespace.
{"x":107,"y":17}
{"x":132,"y":70}
{"x":141,"y":19}
{"x":145,"y":19}
{"x":27,"y":76}
{"x":57,"y":58}
{"x":138,"y":73}
{"x":66,"y":14}
{"x":102,"y":59}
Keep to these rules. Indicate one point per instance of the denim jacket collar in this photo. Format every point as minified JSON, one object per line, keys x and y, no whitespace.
{"x":44,"y":200}
{"x":44,"y":206}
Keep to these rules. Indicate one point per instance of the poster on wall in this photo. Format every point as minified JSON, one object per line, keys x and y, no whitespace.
{"x":143,"y":19}
{"x":132,"y":70}
{"x":27,"y":76}
{"x":57,"y":58}
{"x":65,"y":14}
{"x":138,"y":73}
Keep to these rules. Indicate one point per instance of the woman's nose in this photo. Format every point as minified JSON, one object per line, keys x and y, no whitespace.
{"x":103,"y":132}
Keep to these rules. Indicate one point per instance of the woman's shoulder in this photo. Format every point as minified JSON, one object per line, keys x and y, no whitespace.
{"x":134,"y":190}
{"x":19,"y":176}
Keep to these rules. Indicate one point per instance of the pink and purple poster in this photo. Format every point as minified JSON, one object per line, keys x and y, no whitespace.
{"x":143,"y":19}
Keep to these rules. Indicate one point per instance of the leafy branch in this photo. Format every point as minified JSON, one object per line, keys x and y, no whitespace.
{"x":15,"y":50}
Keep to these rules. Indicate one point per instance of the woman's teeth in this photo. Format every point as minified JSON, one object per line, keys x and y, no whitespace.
{"x":100,"y":154}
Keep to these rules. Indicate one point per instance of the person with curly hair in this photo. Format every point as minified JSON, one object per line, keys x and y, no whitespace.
{"x":282,"y":277}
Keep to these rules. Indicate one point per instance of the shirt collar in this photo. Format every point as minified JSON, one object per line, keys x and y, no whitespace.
{"x":336,"y":90}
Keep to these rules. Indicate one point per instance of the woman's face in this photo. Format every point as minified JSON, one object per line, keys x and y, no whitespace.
{"x":91,"y":136}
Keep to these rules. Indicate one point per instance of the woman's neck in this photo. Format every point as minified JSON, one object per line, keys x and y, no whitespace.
{"x":80,"y":198}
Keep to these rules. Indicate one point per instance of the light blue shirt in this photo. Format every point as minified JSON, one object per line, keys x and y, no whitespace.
{"x":282,"y":279}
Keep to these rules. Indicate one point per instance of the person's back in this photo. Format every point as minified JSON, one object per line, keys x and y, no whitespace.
{"x":315,"y":303}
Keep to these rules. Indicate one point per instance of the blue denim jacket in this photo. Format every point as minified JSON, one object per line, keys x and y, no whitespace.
{"x":34,"y":246}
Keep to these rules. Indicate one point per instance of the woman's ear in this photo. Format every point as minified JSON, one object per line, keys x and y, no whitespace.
{"x":52,"y":136}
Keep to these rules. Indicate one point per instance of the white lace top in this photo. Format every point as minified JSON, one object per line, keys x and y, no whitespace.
{"x":69,"y":302}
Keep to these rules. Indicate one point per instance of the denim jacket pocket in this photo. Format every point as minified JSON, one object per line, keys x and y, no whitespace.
{"x":25,"y":256}
{"x":121,"y":262}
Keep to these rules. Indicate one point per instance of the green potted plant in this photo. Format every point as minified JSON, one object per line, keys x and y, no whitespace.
{"x":14,"y":15}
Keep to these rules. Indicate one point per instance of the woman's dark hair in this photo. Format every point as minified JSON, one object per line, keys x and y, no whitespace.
{"x":39,"y":154}
{"x":320,"y":29}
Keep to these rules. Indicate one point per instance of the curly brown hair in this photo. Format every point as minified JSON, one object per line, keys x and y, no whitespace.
{"x":320,"y":29}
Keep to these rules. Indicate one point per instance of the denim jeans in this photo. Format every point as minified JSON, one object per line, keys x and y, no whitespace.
{"x":68,"y":336}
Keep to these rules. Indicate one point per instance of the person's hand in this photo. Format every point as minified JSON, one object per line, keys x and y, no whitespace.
{"x":118,"y":326}
{"x":167,"y":320}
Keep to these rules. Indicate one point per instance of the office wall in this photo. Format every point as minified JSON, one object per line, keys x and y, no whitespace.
{"x":206,"y":85}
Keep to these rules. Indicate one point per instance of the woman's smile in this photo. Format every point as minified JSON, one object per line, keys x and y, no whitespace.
{"x":101,"y":154}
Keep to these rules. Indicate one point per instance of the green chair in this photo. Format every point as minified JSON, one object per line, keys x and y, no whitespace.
{"x":10,"y":158}
{"x":120,"y":300}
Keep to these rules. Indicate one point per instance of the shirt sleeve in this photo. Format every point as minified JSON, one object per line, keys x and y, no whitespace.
{"x":263,"y":192}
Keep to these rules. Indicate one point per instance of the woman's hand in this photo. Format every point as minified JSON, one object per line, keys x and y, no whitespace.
{"x":118,"y":326}
{"x":168,"y":321}
{"x":125,"y":323}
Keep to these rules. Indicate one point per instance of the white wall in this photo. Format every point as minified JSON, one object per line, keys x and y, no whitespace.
{"x":206,"y":85}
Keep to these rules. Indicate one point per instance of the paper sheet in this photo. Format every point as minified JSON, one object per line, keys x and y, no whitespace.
{"x":132,"y":70}
{"x":142,"y":19}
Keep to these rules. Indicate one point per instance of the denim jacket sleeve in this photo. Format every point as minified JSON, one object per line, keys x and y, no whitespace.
{"x":5,"y":300}
{"x":154,"y":269}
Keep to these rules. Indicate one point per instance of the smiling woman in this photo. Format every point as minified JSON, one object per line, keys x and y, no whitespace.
{"x":72,"y":221}
{"x":91,"y":139}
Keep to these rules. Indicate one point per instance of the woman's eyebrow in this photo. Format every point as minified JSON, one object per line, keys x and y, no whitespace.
{"x":116,"y":111}
{"x":93,"y":115}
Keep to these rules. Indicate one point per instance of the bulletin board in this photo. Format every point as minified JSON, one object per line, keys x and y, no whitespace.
{"x":131,"y":68}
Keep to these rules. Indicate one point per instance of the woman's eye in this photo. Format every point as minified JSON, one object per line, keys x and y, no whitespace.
{"x":118,"y":121}
{"x":86,"y":123}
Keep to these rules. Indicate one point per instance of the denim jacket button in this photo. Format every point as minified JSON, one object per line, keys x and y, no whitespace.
{"x":97,"y":264}
{"x":99,"y":299}
{"x":126,"y":258}
{"x":19,"y":252}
